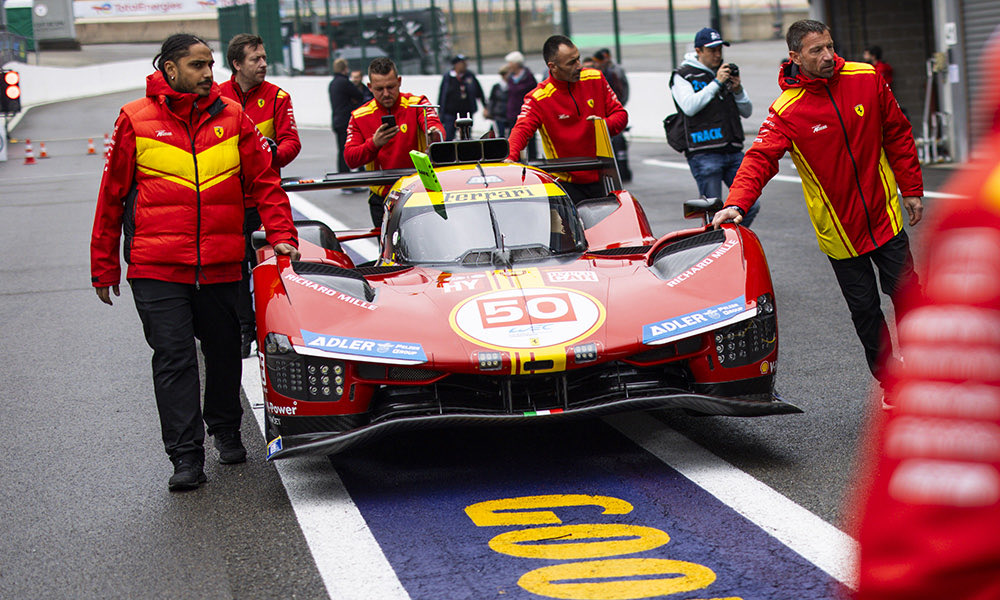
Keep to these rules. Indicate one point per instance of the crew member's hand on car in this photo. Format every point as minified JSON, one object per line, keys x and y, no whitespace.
{"x":287,"y":249}
{"x":435,"y":135}
{"x":729,"y":213}
{"x":104,"y":293}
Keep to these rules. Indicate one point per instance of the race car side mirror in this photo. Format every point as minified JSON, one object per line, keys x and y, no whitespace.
{"x":702,"y":208}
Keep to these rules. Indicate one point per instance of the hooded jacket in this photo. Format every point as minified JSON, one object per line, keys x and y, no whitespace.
{"x":174,"y":181}
{"x":711,"y":112}
{"x":270,"y":108}
{"x":851,"y":145}
{"x":558,"y":110}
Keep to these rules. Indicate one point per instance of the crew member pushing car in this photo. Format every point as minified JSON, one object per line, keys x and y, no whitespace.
{"x":182,"y":161}
{"x":382,"y":131}
{"x":851,"y":145}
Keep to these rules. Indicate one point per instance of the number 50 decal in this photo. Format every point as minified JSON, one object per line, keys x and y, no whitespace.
{"x":608,"y":579}
{"x":504,"y":312}
{"x":527,"y":318}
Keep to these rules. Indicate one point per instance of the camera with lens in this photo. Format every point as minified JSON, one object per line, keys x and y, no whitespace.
{"x":734,"y":71}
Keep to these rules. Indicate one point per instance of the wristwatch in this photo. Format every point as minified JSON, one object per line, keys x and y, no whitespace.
{"x":742,"y":212}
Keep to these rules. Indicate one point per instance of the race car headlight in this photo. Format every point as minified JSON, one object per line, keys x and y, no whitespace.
{"x":748,"y":341}
{"x":584,"y":353}
{"x":277,"y":343}
{"x":490,"y":361}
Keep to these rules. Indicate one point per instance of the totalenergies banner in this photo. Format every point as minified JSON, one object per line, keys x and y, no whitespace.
{"x":103,"y":9}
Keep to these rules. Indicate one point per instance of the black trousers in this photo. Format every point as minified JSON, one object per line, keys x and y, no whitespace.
{"x":251,"y":223}
{"x":376,"y":207}
{"x":341,"y":133}
{"x":856,"y":277}
{"x":173,"y":315}
{"x":583,"y":191}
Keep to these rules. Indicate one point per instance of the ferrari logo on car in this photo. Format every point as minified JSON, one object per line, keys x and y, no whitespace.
{"x":218,"y":132}
{"x":860,"y":110}
{"x":260,"y":102}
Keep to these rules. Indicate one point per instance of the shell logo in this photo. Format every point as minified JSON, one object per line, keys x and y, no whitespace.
{"x":530,"y":318}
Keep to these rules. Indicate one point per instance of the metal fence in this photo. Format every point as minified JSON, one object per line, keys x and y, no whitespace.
{"x":13,"y":47}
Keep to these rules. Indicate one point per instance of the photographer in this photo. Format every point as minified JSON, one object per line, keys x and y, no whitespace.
{"x":711,"y":99}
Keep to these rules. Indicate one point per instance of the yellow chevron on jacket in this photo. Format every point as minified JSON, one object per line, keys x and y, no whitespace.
{"x":833,"y":239}
{"x":365,"y":109}
{"x":215,"y":164}
{"x":589,"y":74}
{"x":543,"y":93}
{"x":857,"y":68}
{"x":786,"y":99}
{"x":266,"y":129}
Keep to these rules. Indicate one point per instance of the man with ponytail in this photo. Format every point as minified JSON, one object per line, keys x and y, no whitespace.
{"x":181,"y":162}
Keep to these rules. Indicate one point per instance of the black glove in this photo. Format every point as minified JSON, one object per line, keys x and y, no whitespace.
{"x":272,"y":144}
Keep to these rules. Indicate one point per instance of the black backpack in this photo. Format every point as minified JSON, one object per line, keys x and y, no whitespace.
{"x":674,"y":125}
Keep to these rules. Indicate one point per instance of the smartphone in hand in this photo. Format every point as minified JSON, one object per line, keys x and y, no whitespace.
{"x":389,"y":120}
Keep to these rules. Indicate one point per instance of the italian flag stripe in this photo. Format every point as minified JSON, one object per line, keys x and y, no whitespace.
{"x":540,"y":413}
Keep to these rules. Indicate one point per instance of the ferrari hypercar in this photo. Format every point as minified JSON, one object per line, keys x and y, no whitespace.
{"x":496,"y":299}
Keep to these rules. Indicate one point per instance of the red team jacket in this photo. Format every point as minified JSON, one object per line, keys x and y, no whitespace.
{"x":270,"y":108}
{"x":558,"y":110}
{"x":366,"y":119}
{"x":175,"y":181}
{"x":851,"y":145}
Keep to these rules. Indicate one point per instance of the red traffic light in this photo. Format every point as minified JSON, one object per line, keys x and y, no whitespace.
{"x":11,"y":78}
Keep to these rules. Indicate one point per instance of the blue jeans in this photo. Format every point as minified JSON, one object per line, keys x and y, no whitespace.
{"x":710,"y":169}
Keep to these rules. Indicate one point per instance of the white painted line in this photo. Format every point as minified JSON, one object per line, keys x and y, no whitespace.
{"x":811,"y":537}
{"x":348,"y":557}
{"x":786,"y":178}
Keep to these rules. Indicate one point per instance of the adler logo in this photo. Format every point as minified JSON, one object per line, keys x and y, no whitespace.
{"x":818,"y":128}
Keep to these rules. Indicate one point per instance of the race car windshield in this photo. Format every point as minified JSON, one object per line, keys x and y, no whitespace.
{"x":525,"y":229}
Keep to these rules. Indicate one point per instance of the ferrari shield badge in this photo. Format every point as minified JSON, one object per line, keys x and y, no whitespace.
{"x":590,"y":103}
{"x":260,"y":102}
{"x":860,"y":110}
{"x":218,"y":132}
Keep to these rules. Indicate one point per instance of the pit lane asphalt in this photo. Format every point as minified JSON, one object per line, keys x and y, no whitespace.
{"x":84,"y":494}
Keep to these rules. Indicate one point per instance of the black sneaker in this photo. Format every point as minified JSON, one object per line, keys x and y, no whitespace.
{"x":246,"y":338}
{"x":230,"y":447}
{"x":188,"y":475}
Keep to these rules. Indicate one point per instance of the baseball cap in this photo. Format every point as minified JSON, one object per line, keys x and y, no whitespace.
{"x":708,"y":38}
{"x":459,"y":58}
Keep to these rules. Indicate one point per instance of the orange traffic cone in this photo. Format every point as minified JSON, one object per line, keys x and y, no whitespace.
{"x":107,"y":145}
{"x":90,"y":146}
{"x":29,"y":156}
{"x":41,"y":150}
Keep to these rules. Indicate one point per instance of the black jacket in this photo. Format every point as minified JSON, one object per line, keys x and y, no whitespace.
{"x":344,"y":98}
{"x":459,"y":94}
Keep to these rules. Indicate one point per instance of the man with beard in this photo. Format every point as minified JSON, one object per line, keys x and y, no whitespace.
{"x":182,"y":161}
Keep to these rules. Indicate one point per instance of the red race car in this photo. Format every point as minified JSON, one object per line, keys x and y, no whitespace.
{"x":496,"y":299}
